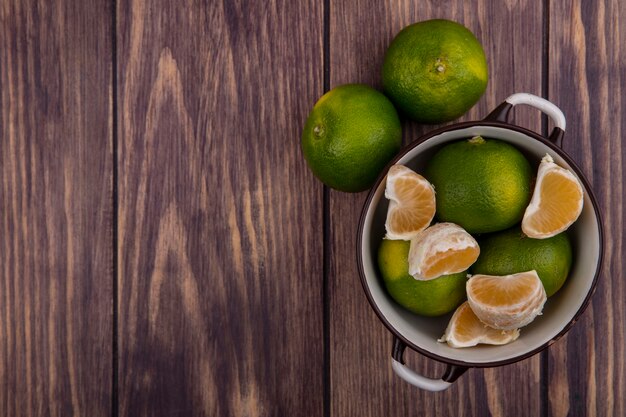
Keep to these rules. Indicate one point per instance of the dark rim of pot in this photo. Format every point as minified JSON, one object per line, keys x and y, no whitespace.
{"x":451,"y":128}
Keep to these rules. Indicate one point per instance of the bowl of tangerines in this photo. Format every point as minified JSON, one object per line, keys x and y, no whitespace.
{"x":480,"y":244}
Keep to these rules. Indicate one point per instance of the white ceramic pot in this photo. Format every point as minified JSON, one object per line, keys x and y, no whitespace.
{"x":561,"y":310}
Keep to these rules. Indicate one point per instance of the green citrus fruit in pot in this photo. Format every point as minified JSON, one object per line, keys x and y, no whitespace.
{"x":511,"y":251}
{"x":427,"y":298}
{"x":483,"y":185}
{"x":350,"y":135}
{"x":435,"y":71}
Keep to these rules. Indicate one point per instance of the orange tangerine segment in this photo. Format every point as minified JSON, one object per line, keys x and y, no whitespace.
{"x":465,"y":330}
{"x":442,"y":249}
{"x":556,"y":203}
{"x":411,"y":203}
{"x":506,"y":302}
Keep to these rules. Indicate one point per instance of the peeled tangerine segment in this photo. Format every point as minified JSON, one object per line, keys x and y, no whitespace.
{"x":442,"y":249}
{"x":506,"y":302}
{"x":556,"y":203}
{"x":465,"y":330}
{"x":412,"y":203}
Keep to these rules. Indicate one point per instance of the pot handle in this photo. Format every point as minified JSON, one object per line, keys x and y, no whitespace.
{"x":451,"y":374}
{"x":501,"y":113}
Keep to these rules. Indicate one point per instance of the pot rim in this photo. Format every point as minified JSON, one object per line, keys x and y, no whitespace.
{"x":450,"y":128}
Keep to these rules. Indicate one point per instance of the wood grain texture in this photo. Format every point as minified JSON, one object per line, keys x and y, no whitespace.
{"x":55,"y":208}
{"x":587,"y":78}
{"x":362,"y":382}
{"x":221,"y":241}
{"x":220,"y":249}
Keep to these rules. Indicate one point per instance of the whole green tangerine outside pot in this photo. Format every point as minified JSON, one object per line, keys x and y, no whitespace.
{"x":434,"y":71}
{"x":350,"y":135}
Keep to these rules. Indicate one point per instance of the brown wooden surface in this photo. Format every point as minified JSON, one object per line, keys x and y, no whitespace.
{"x":153,"y":148}
{"x":220,"y":255}
{"x":56,"y":253}
{"x":587,"y":78}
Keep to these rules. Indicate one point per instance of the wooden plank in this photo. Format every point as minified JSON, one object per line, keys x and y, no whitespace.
{"x":220,"y":250}
{"x":587,"y":78}
{"x":361,"y":377}
{"x":55,"y":208}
